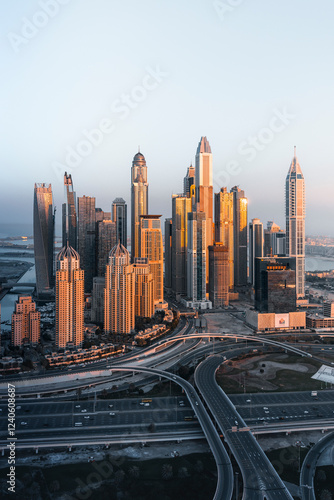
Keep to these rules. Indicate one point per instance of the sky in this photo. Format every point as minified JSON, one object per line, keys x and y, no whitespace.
{"x":86,"y":83}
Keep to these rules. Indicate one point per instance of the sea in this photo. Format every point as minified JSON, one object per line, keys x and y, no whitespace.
{"x":312,"y":263}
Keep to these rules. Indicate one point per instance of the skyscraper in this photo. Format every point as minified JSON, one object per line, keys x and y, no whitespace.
{"x":275,"y":284}
{"x":69,"y":298}
{"x":139,"y":200}
{"x":181,"y":206}
{"x":144,"y":288}
{"x":239,"y":236}
{"x":274,"y":240}
{"x":295,"y":221}
{"x":196,"y":256}
{"x":219,"y":275}
{"x":188,"y":181}
{"x":43,"y":238}
{"x":168,"y":253}
{"x":224,"y":227}
{"x":119,"y":216}
{"x":26,"y":322}
{"x":119,"y":292}
{"x":255,"y":246}
{"x":204,"y":189}
{"x":86,"y":238}
{"x":105,"y":241}
{"x":69,"y":214}
{"x":97,"y":310}
{"x":151,"y":248}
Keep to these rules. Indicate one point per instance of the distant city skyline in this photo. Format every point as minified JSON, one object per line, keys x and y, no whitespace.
{"x":255,"y":83}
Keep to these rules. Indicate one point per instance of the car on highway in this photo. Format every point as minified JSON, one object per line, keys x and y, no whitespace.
{"x":84,"y":411}
{"x":23,"y":423}
{"x":112,"y":413}
{"x":77,"y":406}
{"x":86,"y":416}
{"x":110,"y":406}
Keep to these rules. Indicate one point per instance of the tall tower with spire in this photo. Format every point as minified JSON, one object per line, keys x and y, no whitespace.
{"x":139,"y":200}
{"x":295,"y":221}
{"x":69,"y":214}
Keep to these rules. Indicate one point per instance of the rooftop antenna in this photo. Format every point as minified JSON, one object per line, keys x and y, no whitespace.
{"x":294,"y":151}
{"x":138,"y":149}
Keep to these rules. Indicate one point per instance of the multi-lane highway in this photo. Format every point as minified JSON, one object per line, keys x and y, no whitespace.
{"x":259,"y":477}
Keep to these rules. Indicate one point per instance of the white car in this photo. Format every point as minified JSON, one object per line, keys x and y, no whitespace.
{"x":112,"y":413}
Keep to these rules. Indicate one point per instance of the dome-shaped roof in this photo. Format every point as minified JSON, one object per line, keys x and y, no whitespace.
{"x":67,"y":253}
{"x":138,"y":157}
{"x":119,"y":251}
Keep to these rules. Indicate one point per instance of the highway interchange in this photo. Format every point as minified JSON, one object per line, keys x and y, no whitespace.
{"x":121,"y":417}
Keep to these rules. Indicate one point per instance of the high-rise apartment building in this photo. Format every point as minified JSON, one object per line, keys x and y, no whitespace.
{"x":151,"y":248}
{"x":196,"y":256}
{"x":69,"y":214}
{"x":43,"y":239}
{"x":219,"y":275}
{"x":106,"y":239}
{"x":295,"y":221}
{"x":119,"y":216}
{"x":181,"y":206}
{"x":97,"y":309}
{"x":69,"y":299}
{"x":86,"y":238}
{"x":275,"y":284}
{"x":239,"y":236}
{"x":119,"y":293}
{"x":144,"y":288}
{"x":204,"y":189}
{"x":274,"y":240}
{"x":139,"y":200}
{"x":168,"y":253}
{"x":224,"y":227}
{"x":188,"y":181}
{"x":26,"y":322}
{"x":255,"y":246}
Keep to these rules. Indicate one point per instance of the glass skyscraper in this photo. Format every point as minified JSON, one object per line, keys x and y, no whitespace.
{"x":43,"y":239}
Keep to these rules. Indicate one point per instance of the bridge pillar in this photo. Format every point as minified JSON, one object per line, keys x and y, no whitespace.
{"x":2,"y":452}
{"x":36,"y":451}
{"x":70,"y":448}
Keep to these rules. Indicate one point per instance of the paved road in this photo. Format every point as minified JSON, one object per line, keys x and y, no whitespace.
{"x":259,"y":477}
{"x":309,"y":466}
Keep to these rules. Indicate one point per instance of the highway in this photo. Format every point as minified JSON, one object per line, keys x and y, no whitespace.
{"x":260,"y":479}
{"x":309,"y":466}
{"x":224,"y":486}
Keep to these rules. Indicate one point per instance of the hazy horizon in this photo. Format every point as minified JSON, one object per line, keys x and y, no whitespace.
{"x":254,"y":77}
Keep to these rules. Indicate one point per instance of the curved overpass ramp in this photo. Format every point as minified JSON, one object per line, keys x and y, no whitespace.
{"x":309,"y":465}
{"x":261,"y":481}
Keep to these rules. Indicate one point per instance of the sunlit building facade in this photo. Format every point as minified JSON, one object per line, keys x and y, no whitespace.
{"x":69,"y":299}
{"x":151,"y":248}
{"x":119,"y":292}
{"x":295,"y":221}
{"x":86,"y":238}
{"x":26,"y":322}
{"x":224,"y":227}
{"x":43,"y":239}
{"x":144,"y":288}
{"x":139,"y":200}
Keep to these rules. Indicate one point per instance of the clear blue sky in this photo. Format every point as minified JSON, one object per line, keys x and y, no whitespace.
{"x":222,"y":70}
